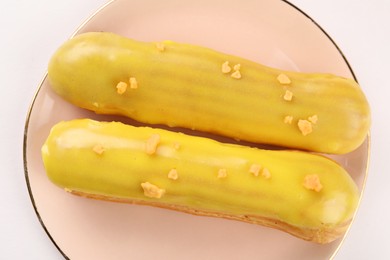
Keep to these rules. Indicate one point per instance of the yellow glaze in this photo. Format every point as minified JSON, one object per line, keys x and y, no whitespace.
{"x":198,"y":88}
{"x":199,"y":174}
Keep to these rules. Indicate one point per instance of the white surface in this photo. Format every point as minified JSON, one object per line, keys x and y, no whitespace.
{"x":32,"y":30}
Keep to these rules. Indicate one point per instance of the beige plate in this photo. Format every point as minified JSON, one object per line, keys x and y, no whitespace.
{"x":271,"y":32}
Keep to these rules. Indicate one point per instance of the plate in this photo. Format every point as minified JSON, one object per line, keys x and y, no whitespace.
{"x":275,"y":33}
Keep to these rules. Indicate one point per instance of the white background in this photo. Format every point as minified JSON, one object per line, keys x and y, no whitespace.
{"x":32,"y":30}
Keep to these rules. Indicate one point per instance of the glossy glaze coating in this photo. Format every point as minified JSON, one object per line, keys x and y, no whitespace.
{"x":111,"y":161}
{"x":190,"y":86}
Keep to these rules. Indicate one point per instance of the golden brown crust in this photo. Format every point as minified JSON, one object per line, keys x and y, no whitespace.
{"x":324,"y":235}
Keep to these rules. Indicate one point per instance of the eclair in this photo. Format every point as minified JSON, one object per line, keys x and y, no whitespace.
{"x":189,"y":86}
{"x":307,"y":195}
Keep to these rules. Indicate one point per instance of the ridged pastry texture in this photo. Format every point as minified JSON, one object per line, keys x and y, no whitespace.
{"x":198,"y":88}
{"x":306,"y":195}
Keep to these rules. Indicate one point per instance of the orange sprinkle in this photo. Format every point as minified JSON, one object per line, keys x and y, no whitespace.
{"x":288,"y":119}
{"x":236,"y":74}
{"x":288,"y":95}
{"x":99,"y":149}
{"x":121,"y":87}
{"x":283,"y":79}
{"x":133,"y":83}
{"x":176,"y":145}
{"x":255,"y":169}
{"x":266,"y":173}
{"x":225,"y":67}
{"x":151,"y":144}
{"x":173,"y":174}
{"x":313,"y":119}
{"x":312,"y":182}
{"x":152,"y":191}
{"x":305,"y":127}
{"x":237,"y":67}
{"x":160,"y":46}
{"x":222,"y":173}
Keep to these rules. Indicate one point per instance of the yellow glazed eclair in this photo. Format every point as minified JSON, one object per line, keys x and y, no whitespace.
{"x":182,"y":85}
{"x":306,"y":195}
